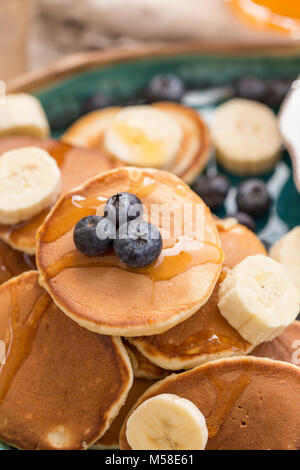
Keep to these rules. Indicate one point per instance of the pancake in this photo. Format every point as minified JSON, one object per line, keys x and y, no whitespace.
{"x":284,"y":348}
{"x":61,"y":385}
{"x":106,"y":296}
{"x":249,"y":403}
{"x":110,"y":440}
{"x":142,"y":367}
{"x":206,"y":335}
{"x":194,"y":151}
{"x":76,"y":165}
{"x":13,"y":262}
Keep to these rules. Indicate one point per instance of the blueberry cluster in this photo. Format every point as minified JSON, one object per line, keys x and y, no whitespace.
{"x":135,"y":242}
{"x":252,"y":197}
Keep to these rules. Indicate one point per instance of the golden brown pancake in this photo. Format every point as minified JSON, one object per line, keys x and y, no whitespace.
{"x":61,"y":385}
{"x":13,"y":262}
{"x":103,"y":294}
{"x":110,"y":440}
{"x":76,"y":165}
{"x":285,"y":347}
{"x":142,"y":367}
{"x":206,"y":335}
{"x":192,"y":157}
{"x":249,"y":403}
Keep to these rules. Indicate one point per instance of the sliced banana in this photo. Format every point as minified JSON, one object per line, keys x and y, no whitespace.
{"x":143,"y":136}
{"x":259,"y":299}
{"x":30,"y":181}
{"x":22,"y":114}
{"x":246,"y":136}
{"x":287,"y":252}
{"x":167,"y":422}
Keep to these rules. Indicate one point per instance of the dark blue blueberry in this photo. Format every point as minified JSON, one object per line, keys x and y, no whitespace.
{"x":96,"y":101}
{"x":245,"y":219}
{"x":212,"y":189}
{"x":138,"y":244}
{"x":165,"y":87}
{"x":86,"y":235}
{"x":123,"y":208}
{"x":277,"y":91}
{"x":251,"y":88}
{"x":253,"y":197}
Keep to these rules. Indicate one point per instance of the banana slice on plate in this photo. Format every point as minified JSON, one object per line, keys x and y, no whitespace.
{"x":167,"y":422}
{"x":287,"y":252}
{"x":143,"y":136}
{"x":246,"y":136}
{"x":22,"y":114}
{"x":30,"y":181}
{"x":259,"y":299}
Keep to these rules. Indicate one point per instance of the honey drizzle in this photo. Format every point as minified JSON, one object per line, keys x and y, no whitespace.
{"x":21,"y":337}
{"x":186,"y":252}
{"x":171,"y":262}
{"x":227,"y":395}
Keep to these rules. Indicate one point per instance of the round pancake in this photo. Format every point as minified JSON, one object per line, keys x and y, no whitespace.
{"x":106,"y":296}
{"x":192,"y":157}
{"x":206,"y":335}
{"x":61,"y":385}
{"x":13,"y":262}
{"x":249,"y":403}
{"x":76,"y":165}
{"x":110,"y":440}
{"x":142,"y":367}
{"x":284,"y":348}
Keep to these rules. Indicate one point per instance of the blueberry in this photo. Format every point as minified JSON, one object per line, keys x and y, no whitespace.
{"x":245,"y":219}
{"x":123,"y":208}
{"x":138,"y":244}
{"x":277,"y":91}
{"x":251,"y":88}
{"x":253,"y":197}
{"x":86,"y":233}
{"x":96,"y":101}
{"x":165,"y":87}
{"x":212,"y":189}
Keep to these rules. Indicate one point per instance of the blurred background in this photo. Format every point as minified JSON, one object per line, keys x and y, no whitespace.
{"x":36,"y":32}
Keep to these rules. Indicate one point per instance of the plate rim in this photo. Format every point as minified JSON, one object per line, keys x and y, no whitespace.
{"x":71,"y":64}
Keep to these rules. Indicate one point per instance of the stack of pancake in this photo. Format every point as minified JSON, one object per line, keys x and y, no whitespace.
{"x":89,"y":339}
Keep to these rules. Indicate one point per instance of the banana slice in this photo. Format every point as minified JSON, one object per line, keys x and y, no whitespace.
{"x":246,"y":136}
{"x":22,"y":114}
{"x":167,"y":422}
{"x":287,"y":252}
{"x":30,"y":181}
{"x":143,"y":136}
{"x":259,"y":299}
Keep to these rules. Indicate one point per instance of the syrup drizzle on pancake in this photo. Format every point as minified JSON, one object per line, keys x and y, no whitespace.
{"x":184,"y":254}
{"x":58,"y":151}
{"x":227,"y":395}
{"x":21,"y":337}
{"x":171,"y":262}
{"x":13,"y":262}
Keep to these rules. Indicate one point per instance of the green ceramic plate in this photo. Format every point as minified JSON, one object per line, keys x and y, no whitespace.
{"x":124,"y":80}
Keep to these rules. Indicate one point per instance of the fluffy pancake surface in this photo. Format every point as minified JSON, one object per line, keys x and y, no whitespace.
{"x":249,"y":403}
{"x":186,"y":149}
{"x":61,"y":385}
{"x":106,"y":296}
{"x":206,"y":335}
{"x":76,"y":166}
